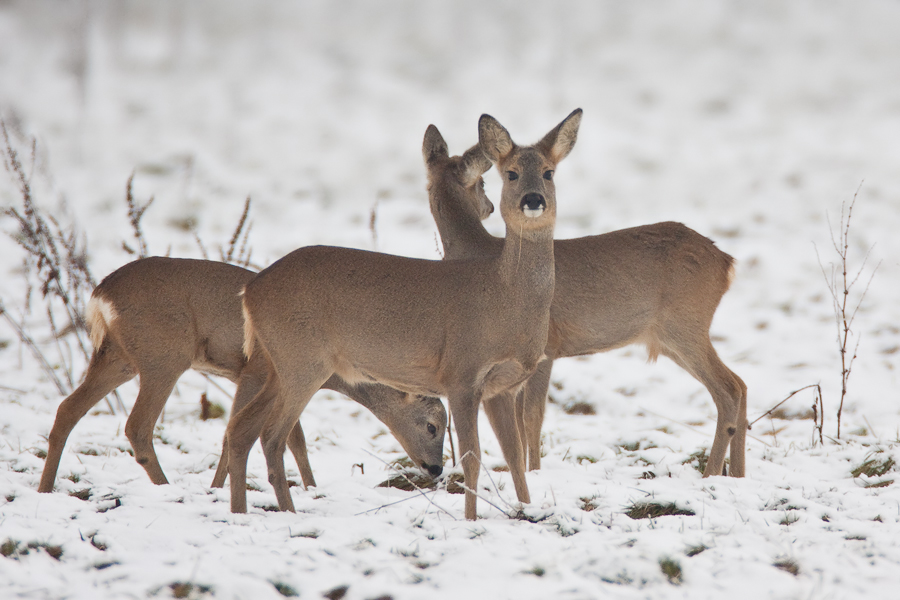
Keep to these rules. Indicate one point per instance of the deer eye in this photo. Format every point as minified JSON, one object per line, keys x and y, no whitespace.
{"x":512,"y":175}
{"x":432,"y":429}
{"x":548,"y":175}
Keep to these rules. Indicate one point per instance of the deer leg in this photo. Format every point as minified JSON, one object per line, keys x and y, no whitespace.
{"x":535,"y":403}
{"x":249,"y":384}
{"x":243,"y":429}
{"x":739,"y":441}
{"x":729,"y":393}
{"x":250,"y":381}
{"x":156,"y":386}
{"x":106,"y":372}
{"x":464,"y":409}
{"x":500,"y":412}
{"x":293,"y":397}
{"x":297,"y":443}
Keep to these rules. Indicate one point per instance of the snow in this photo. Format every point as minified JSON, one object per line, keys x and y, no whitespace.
{"x":749,"y":122}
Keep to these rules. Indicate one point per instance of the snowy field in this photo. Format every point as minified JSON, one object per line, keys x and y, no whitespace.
{"x":751,"y":122}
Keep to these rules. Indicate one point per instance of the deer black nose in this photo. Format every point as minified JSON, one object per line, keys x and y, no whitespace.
{"x":533,"y":204}
{"x":435,"y":470}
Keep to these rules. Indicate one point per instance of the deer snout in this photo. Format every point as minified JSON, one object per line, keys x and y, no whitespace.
{"x":533,"y":205}
{"x":435,"y":470}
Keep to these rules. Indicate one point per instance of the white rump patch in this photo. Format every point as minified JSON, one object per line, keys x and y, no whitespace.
{"x":100,"y":315}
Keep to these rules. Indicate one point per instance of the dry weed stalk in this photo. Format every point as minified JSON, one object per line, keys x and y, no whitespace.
{"x":55,"y":263}
{"x":840,"y":283}
{"x":240,"y":235}
{"x":135,"y":214}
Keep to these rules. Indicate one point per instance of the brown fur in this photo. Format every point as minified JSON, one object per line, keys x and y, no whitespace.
{"x":471,"y":330}
{"x":657,"y":285}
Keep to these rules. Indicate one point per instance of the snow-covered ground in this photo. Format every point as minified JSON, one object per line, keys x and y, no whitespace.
{"x":751,"y":122}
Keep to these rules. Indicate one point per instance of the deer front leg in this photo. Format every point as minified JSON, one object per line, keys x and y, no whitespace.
{"x":500,"y":411}
{"x":464,"y":409}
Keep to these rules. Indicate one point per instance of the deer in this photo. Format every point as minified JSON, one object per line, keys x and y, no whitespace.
{"x":157,"y":317}
{"x":470,"y":330}
{"x":657,"y":285}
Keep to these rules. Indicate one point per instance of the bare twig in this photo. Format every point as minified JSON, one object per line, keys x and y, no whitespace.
{"x":818,"y":408}
{"x":840,"y":284}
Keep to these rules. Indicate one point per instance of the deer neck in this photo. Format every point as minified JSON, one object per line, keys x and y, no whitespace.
{"x":527,"y":262}
{"x":463,"y":236}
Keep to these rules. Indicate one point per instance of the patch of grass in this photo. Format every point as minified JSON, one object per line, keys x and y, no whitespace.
{"x":105,"y":565}
{"x":537,"y":571}
{"x":579,"y":408}
{"x":337,"y":593}
{"x":73,"y":477}
{"x":182,"y":589}
{"x":88,"y":451}
{"x":210,"y":410}
{"x":312,"y":534}
{"x":695,"y":550}
{"x":10,"y":548}
{"x":698,"y":459}
{"x":40,"y":453}
{"x":588,"y":504}
{"x":409,"y":481}
{"x":878,"y":484}
{"x":102,"y":547}
{"x":789,"y":518}
{"x":652,"y":510}
{"x":648,"y":475}
{"x":284,"y":589}
{"x":873,"y":467}
{"x":581,"y":458}
{"x":630,"y":446}
{"x":787,"y":564}
{"x":84,"y":494}
{"x":53,"y":550}
{"x":413,"y":553}
{"x":672,"y":570}
{"x":10,"y":497}
{"x":621,"y":578}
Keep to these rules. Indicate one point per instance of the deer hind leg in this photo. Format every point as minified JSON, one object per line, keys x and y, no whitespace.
{"x":157,"y":381}
{"x":534,"y":395}
{"x":292,"y":398}
{"x":243,"y":430}
{"x":500,"y":412}
{"x":699,"y":358}
{"x":464,"y":409}
{"x":107,"y":371}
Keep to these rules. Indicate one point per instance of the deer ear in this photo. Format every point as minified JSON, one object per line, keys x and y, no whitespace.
{"x":434,"y":146}
{"x":474,"y":164}
{"x":494,"y":139}
{"x":560,"y":141}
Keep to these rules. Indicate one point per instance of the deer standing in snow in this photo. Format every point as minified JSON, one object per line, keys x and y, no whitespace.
{"x":158,"y":317}
{"x":657,"y":285}
{"x":471,"y":330}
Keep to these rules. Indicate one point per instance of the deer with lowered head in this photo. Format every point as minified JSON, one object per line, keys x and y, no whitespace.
{"x":657,"y":285}
{"x":470,"y":330}
{"x":158,"y":317}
